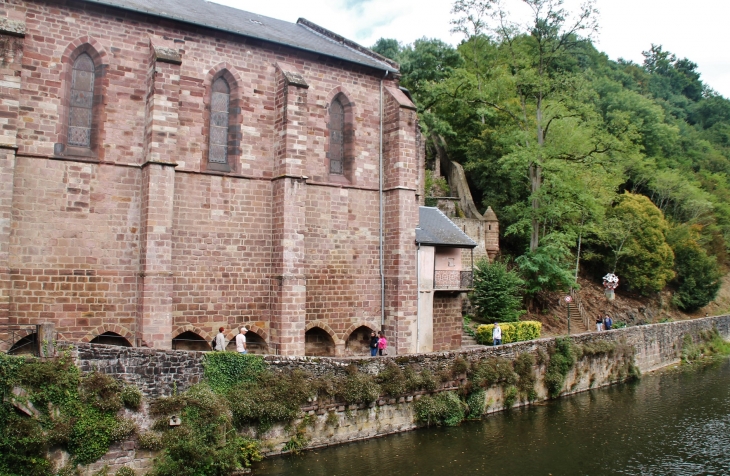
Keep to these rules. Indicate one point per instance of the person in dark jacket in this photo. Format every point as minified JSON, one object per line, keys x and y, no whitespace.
{"x":373,"y":344}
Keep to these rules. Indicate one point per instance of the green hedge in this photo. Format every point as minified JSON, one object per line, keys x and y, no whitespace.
{"x":511,"y":332}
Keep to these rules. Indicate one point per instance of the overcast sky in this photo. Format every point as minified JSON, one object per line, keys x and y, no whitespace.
{"x":694,"y":29}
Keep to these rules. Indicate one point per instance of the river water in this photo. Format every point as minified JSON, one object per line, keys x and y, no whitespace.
{"x":671,"y":423}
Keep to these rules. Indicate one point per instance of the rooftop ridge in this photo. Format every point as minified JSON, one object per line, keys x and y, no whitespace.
{"x":348,"y":43}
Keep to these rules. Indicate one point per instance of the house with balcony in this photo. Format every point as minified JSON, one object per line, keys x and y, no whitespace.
{"x":443,"y":280}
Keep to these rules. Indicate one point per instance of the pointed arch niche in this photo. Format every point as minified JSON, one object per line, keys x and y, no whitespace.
{"x":222,"y":121}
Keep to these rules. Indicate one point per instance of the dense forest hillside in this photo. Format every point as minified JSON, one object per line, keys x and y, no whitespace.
{"x":592,"y":165}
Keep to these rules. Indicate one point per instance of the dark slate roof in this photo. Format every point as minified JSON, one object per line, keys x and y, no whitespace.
{"x":304,"y":34}
{"x":435,"y":229}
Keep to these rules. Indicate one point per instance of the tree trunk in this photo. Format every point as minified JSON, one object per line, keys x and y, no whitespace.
{"x":536,"y":179}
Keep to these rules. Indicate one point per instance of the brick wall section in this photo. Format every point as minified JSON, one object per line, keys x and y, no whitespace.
{"x":447,"y":321}
{"x":11,"y":51}
{"x":154,"y":371}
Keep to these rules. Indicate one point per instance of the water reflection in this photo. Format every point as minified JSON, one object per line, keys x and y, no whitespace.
{"x":674,"y":423}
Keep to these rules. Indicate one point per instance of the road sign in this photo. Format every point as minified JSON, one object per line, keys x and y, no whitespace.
{"x":568,"y":299}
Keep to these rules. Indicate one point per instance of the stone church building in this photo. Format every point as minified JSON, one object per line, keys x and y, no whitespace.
{"x":168,"y":167}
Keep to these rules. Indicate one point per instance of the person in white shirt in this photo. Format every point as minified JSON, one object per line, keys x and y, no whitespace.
{"x":220,"y":340}
{"x":241,"y":341}
{"x":496,"y":334}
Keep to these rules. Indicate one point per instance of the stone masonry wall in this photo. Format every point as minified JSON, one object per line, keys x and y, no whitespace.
{"x":154,"y":371}
{"x":158,"y":372}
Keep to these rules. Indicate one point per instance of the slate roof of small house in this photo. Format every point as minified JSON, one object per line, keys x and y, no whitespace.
{"x":303,"y":35}
{"x":435,"y":229}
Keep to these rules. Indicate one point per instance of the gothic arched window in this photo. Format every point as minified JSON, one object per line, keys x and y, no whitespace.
{"x":219,"y":111}
{"x":81,"y":110}
{"x":337,"y":137}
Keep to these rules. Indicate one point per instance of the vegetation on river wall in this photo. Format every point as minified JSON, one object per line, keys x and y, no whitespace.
{"x":214,"y":427}
{"x":708,"y":344}
{"x":47,"y":403}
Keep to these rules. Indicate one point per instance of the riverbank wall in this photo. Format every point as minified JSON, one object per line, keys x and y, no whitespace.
{"x":603,"y":360}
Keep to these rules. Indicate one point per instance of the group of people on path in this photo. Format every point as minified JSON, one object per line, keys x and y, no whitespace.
{"x":378,"y":344}
{"x":603,"y":323}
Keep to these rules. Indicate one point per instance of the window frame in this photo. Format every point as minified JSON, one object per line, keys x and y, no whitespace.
{"x":234,"y":133}
{"x":347,"y":177}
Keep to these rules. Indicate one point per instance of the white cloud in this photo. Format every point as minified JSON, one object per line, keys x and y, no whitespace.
{"x":695,"y":30}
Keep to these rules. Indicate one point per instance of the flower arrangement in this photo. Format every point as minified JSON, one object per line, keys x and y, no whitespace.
{"x":610,"y":282}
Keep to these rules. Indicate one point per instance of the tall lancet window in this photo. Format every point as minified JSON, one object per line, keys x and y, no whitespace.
{"x":337,"y":137}
{"x":219,"y":102}
{"x":82,"y":102}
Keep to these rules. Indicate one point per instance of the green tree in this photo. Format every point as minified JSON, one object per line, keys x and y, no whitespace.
{"x":635,"y":231}
{"x":497,"y":294}
{"x":698,"y":275}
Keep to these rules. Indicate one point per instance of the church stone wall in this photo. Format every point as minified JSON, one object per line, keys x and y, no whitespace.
{"x":140,"y":239}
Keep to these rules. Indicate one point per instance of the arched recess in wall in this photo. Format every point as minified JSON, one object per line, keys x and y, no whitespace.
{"x":255,"y":342}
{"x":189,"y":340}
{"x":81,"y":115}
{"x":26,"y":345}
{"x":340,"y":133}
{"x":222,"y":120}
{"x":358,"y":341}
{"x":318,"y":342}
{"x":111,"y":338}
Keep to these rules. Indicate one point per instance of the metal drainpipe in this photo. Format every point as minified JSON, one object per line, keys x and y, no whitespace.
{"x":418,"y":297}
{"x":380,"y":194}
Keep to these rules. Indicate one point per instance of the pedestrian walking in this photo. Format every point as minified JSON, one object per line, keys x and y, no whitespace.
{"x":241,"y":341}
{"x":599,"y":323}
{"x":382,"y":344}
{"x":220,"y":340}
{"x":607,"y":323}
{"x":496,"y":334}
{"x":374,"y":344}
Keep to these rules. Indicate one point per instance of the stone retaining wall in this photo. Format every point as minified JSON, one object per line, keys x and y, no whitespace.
{"x":157,"y":372}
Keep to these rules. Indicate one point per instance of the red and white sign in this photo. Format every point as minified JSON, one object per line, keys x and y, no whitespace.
{"x":568,"y":299}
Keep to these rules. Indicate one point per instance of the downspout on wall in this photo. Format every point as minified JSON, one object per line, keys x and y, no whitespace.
{"x":380,"y":197}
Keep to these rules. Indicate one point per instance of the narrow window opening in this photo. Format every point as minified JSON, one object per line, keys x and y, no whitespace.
{"x":337,"y":137}
{"x":82,"y":102}
{"x":219,"y":103}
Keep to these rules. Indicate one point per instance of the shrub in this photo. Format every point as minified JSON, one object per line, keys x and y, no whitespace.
{"x":476,"y":402}
{"x":125,"y":471}
{"x":392,"y":380}
{"x":357,"y":387}
{"x":497,"y":294}
{"x":224,"y":370}
{"x":271,"y":398}
{"x":492,"y":371}
{"x":511,"y":332}
{"x":510,"y":397}
{"x":442,"y":409}
{"x":562,"y":359}
{"x":131,"y":397}
{"x":150,"y":440}
{"x":524,"y":369}
{"x":698,"y":274}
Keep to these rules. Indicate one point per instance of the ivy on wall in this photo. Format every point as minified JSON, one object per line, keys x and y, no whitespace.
{"x":48,"y":403}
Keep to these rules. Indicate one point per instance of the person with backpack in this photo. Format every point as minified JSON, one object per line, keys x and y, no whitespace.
{"x":219,"y":343}
{"x":382,"y":344}
{"x":374,"y":344}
